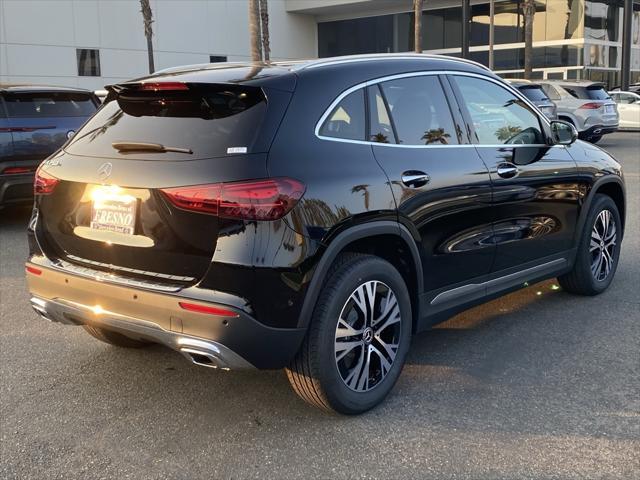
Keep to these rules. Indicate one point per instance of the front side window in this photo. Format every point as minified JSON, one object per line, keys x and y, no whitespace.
{"x":498,"y":116}
{"x":347,"y":119}
{"x":419,"y":111}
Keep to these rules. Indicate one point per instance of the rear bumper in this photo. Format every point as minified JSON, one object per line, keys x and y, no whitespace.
{"x":229,"y":342}
{"x":16,"y":189}
{"x":598,"y":130}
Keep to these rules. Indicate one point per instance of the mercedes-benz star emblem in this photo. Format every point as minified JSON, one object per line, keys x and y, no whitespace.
{"x":104,"y":171}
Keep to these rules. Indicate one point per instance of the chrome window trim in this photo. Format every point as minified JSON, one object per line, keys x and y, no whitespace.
{"x":387,"y":78}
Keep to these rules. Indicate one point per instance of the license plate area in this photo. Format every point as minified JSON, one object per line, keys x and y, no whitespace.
{"x":114,"y":213}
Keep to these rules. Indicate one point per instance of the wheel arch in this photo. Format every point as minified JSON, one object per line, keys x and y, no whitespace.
{"x":613,"y":187}
{"x":377,"y":238}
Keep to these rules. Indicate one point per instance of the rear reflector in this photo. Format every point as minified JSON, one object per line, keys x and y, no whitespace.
{"x":221,"y":312}
{"x":17,"y":170}
{"x":44,"y":184}
{"x":591,"y":106}
{"x":34,"y":270}
{"x":268,"y":199}
{"x":163,"y":86}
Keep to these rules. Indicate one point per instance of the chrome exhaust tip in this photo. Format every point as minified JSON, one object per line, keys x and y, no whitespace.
{"x":204,"y":359}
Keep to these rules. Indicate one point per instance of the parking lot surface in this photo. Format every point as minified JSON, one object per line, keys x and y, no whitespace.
{"x":538,"y":384}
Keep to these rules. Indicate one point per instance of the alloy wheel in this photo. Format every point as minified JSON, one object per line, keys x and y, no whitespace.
{"x":602,"y":246}
{"x":367,"y":336}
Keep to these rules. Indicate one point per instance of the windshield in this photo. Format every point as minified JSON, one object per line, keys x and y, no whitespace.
{"x":210,"y":121}
{"x":49,"y":104}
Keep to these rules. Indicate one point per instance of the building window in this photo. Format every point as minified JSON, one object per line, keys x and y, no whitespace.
{"x":217,"y":58}
{"x":88,"y":62}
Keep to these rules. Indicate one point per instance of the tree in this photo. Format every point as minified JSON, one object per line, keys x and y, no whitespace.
{"x":264,"y":24}
{"x":147,"y":17}
{"x":529,"y":12}
{"x":254,"y":31}
{"x":417,"y":29}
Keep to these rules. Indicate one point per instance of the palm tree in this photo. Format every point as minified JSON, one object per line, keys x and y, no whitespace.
{"x":254,"y":31}
{"x":264,"y":24}
{"x":147,"y":17}
{"x":529,"y":12}
{"x":505,"y":133}
{"x":436,"y":135}
{"x":417,"y":29}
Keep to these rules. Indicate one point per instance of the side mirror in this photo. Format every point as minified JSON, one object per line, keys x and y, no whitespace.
{"x":563,"y":133}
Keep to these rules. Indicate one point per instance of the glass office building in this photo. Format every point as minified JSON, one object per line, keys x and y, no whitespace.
{"x":572,"y":39}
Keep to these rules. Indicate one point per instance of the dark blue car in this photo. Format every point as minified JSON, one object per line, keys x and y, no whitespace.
{"x":34,"y":122}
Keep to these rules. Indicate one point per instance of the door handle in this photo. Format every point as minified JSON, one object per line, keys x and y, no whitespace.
{"x":415,"y":178}
{"x":507,"y":170}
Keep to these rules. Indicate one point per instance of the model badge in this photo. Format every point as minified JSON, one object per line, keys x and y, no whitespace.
{"x":104,"y":171}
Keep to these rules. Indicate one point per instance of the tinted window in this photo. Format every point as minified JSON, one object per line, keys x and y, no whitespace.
{"x":49,"y":104}
{"x":380,"y":129}
{"x":498,"y":116}
{"x":534,"y":93}
{"x":347,"y":119}
{"x":208,"y":120}
{"x":594,"y":92}
{"x":420,"y":111}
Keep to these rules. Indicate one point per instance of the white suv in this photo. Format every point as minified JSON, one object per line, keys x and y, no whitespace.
{"x":586,"y":105}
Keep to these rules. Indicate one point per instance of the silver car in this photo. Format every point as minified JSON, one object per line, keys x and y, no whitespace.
{"x":586,"y":105}
{"x":534,"y":92}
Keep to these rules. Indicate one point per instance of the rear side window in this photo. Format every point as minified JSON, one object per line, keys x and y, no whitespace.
{"x":347,"y":120}
{"x":534,"y":93}
{"x":209,"y":120}
{"x":419,"y":111}
{"x":499,"y":117}
{"x":49,"y":104}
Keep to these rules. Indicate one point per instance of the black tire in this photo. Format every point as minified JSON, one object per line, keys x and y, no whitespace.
{"x":581,"y":280}
{"x":314,"y":373}
{"x":114,"y":338}
{"x":594,"y":139}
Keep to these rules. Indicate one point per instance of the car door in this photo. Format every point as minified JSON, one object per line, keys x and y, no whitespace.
{"x":441,"y":186}
{"x":628,"y":108}
{"x":536,"y":193}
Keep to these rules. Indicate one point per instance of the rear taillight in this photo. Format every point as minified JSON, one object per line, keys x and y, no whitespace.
{"x":591,"y":106}
{"x":268,"y":199}
{"x":17,"y":170}
{"x":44,"y":184}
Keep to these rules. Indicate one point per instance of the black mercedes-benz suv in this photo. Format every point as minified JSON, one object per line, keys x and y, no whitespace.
{"x":314,"y":215}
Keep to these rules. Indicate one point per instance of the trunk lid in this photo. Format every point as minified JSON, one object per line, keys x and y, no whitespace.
{"x":109,"y":212}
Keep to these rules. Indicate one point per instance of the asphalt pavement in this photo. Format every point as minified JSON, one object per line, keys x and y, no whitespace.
{"x":539,"y":384}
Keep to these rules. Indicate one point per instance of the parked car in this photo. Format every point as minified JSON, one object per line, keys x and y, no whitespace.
{"x":628,"y":108}
{"x":535,"y":93}
{"x":101,"y":94}
{"x":313,"y":216}
{"x":634,"y":88}
{"x":586,"y":105}
{"x":34,"y":122}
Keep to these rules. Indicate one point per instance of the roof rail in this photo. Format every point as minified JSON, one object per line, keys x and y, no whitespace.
{"x":322,"y":62}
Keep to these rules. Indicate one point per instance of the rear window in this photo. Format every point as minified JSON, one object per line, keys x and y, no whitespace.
{"x":594,"y":92}
{"x":209,"y":120}
{"x":534,"y":93}
{"x":49,"y":104}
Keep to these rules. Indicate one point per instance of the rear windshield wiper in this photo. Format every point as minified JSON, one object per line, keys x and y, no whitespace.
{"x":147,"y":147}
